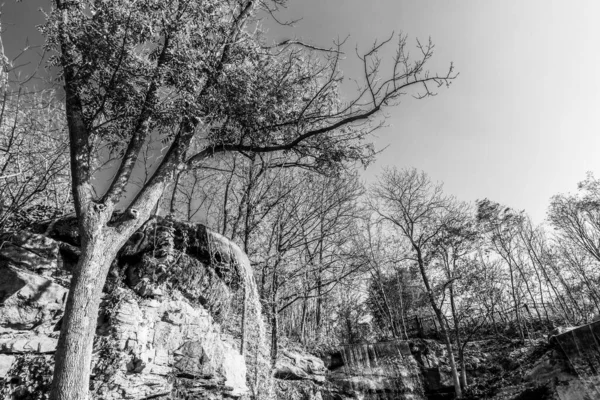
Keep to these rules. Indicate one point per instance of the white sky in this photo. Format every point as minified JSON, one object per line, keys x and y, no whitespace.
{"x":521,"y":122}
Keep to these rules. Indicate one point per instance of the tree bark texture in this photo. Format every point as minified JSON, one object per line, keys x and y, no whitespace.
{"x":74,"y":351}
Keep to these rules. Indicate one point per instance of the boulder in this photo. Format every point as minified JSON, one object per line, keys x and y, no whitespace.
{"x":550,"y":367}
{"x":293,"y":365}
{"x":28,"y":300}
{"x":559,"y":330}
{"x":31,"y":251}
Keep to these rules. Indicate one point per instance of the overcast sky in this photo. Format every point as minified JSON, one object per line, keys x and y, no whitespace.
{"x":521,"y":122}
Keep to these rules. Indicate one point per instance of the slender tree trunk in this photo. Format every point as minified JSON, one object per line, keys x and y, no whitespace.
{"x":389,"y":313}
{"x":539,"y":279}
{"x":516,"y":303}
{"x":526,"y":281}
{"x":536,"y":260}
{"x":303,"y":319}
{"x":74,"y":351}
{"x":443,"y":327}
{"x":463,"y":368}
{"x":567,"y":290}
{"x":452,"y":361}
{"x":505,"y":254}
{"x":274,"y":319}
{"x":459,"y":345}
{"x":494,"y":323}
{"x":319,"y":305}
{"x":174,"y":195}
{"x":386,"y":309}
{"x":226,"y":201}
{"x":401,"y":295}
{"x":244,"y":320}
{"x":581,"y":270}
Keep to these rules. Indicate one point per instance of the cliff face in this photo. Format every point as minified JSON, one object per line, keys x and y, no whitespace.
{"x":159,"y":342}
{"x":377,"y":371}
{"x":572,"y":370}
{"x":160,"y":329}
{"x":567,"y":367}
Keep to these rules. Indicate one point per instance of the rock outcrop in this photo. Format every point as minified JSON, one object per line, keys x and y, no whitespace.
{"x":377,"y":371}
{"x":299,"y":376}
{"x":579,"y":360}
{"x":28,"y":300}
{"x":160,"y":327}
{"x":295,"y":365}
{"x":158,"y":340}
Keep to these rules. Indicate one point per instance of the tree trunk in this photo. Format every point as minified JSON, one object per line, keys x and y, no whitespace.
{"x":440,"y":318}
{"x":74,"y":351}
{"x":526,"y":281}
{"x":401,"y":297}
{"x":319,"y":305}
{"x":174,"y":195}
{"x":459,"y":344}
{"x":463,"y":368}
{"x":494,"y":323}
{"x":448,"y":342}
{"x":244,"y":320}
{"x":420,"y":332}
{"x":274,"y":319}
{"x":516,"y":303}
{"x":318,"y":316}
{"x":303,"y":320}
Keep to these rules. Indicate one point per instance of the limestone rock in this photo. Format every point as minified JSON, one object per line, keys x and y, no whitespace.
{"x":39,"y":344}
{"x":159,"y":329}
{"x":30,"y":251}
{"x":302,"y":390}
{"x":6,"y":362}
{"x":550,"y":367}
{"x":171,"y":338}
{"x":28,"y":300}
{"x":294,"y":366}
{"x":559,"y":330}
{"x":383,"y":370}
{"x":166,"y":255}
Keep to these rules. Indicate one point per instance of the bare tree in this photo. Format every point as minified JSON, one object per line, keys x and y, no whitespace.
{"x":418,"y":209}
{"x":500,"y":224}
{"x":33,"y":150}
{"x":454,"y":245}
{"x":577,"y":217}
